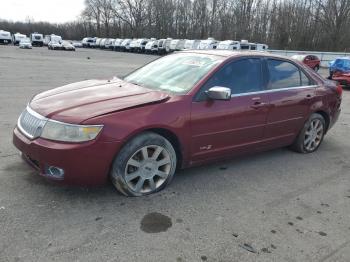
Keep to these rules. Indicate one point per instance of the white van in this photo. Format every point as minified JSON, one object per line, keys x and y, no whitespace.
{"x":208,"y":44}
{"x":18,"y":37}
{"x":37,"y":39}
{"x":192,"y":44}
{"x":5,"y":37}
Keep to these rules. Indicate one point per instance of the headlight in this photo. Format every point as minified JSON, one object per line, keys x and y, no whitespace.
{"x":59,"y":131}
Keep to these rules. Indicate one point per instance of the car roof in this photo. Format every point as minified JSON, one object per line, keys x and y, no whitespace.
{"x":230,"y":53}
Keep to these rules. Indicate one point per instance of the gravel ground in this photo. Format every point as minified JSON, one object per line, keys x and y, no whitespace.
{"x":273,"y":206}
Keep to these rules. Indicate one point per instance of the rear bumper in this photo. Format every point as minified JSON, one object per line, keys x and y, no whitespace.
{"x":334,"y":118}
{"x":84,"y":164}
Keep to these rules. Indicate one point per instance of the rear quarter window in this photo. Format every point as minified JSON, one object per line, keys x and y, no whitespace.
{"x":283,"y":74}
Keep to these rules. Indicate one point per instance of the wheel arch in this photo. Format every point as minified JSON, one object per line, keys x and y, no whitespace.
{"x":326,"y":117}
{"x":166,"y":133}
{"x":172,"y":138}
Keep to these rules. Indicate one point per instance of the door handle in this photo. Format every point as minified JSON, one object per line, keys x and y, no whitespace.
{"x":258,"y":104}
{"x":308,"y":96}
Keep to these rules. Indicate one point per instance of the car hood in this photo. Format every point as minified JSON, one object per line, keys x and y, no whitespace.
{"x":80,"y":101}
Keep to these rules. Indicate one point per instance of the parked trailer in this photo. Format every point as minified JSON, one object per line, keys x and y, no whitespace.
{"x":37,"y":39}
{"x":117,"y":43}
{"x":18,"y":37}
{"x":228,"y":45}
{"x":151,"y":47}
{"x":5,"y":37}
{"x":109,"y":43}
{"x":192,"y":44}
{"x":177,"y":44}
{"x":164,"y":46}
{"x":125,"y":45}
{"x":208,"y":44}
{"x":245,"y":45}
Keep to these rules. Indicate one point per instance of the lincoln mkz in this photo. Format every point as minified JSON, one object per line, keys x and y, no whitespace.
{"x":181,"y":110}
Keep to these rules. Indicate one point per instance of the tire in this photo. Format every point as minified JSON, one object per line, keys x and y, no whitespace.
{"x":311,"y":136}
{"x":145,"y":165}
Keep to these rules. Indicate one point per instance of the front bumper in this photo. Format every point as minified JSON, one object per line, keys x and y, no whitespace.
{"x":343,"y":80}
{"x":84,"y":164}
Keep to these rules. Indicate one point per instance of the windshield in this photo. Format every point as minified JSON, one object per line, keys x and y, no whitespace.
{"x":176,"y":73}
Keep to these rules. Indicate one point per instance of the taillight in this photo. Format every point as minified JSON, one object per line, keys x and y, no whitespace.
{"x":339,"y":90}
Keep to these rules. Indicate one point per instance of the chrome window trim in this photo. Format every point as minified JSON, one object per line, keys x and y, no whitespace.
{"x":273,"y":90}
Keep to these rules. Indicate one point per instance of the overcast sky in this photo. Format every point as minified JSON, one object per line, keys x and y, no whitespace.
{"x":56,"y":11}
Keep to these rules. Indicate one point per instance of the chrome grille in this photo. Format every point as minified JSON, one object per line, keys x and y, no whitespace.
{"x":31,"y":123}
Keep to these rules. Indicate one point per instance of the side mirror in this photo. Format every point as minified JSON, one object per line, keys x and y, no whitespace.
{"x":219,"y":93}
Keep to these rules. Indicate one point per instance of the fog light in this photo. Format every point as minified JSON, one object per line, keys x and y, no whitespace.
{"x":55,"y":172}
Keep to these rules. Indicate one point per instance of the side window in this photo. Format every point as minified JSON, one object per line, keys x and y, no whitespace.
{"x":241,"y":76}
{"x":305,"y":81}
{"x":283,"y":74}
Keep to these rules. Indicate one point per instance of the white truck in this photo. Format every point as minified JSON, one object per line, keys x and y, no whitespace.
{"x":5,"y":37}
{"x":37,"y":39}
{"x":17,"y":37}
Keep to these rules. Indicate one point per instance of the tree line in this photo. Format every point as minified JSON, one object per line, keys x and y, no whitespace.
{"x":282,"y":24}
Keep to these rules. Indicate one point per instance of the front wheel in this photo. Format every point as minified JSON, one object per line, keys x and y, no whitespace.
{"x":145,"y":165}
{"x":311,"y":136}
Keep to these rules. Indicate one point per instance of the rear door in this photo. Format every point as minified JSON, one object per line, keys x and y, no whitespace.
{"x":224,"y":127}
{"x":291,"y":94}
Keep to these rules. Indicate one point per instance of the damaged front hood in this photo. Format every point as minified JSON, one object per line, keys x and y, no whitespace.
{"x":80,"y":101}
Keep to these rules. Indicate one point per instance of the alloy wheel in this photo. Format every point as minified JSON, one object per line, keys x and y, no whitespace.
{"x":313,"y":135}
{"x":147,"y":169}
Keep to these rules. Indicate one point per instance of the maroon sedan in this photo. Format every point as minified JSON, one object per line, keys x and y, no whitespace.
{"x":178,"y":111}
{"x":311,"y":61}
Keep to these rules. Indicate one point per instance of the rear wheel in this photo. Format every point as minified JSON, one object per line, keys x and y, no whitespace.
{"x":311,"y":136}
{"x":145,"y":165}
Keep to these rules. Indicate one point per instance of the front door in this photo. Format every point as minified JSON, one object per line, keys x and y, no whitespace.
{"x":224,"y":127}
